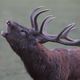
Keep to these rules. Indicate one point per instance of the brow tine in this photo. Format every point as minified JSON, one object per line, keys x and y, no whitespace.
{"x":32,"y":15}
{"x":46,"y":20}
{"x":65,"y":31}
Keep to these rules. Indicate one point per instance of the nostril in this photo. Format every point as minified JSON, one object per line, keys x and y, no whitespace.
{"x":8,"y":22}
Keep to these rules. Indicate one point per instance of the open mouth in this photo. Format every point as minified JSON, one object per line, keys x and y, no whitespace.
{"x":5,"y":33}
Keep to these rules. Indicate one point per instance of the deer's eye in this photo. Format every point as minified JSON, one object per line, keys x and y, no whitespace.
{"x":23,"y":33}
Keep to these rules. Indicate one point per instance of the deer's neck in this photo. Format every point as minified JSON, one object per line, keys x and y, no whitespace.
{"x":34,"y":57}
{"x":34,"y":54}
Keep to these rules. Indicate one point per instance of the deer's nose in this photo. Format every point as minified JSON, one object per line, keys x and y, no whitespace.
{"x":8,"y":23}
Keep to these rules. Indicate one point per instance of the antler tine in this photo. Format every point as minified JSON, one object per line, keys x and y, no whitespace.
{"x":61,"y":37}
{"x":32,"y":15}
{"x":63,"y":34}
{"x":36,"y":16}
{"x":47,"y":19}
{"x":55,"y":38}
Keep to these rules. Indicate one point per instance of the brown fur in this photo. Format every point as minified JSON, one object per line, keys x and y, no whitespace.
{"x":59,"y":64}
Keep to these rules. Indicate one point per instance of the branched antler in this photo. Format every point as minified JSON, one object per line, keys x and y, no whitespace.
{"x":63,"y":35}
{"x":61,"y":38}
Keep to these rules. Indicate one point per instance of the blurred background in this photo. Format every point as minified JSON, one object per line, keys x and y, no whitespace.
{"x":65,"y":11}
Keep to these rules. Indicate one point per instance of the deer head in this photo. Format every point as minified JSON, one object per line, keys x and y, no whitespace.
{"x":19,"y":35}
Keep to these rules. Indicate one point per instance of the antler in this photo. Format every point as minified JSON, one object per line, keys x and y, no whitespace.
{"x":62,"y":35}
{"x":61,"y":38}
{"x":34,"y":17}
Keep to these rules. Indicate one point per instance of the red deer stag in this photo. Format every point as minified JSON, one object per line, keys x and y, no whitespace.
{"x":40,"y":62}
